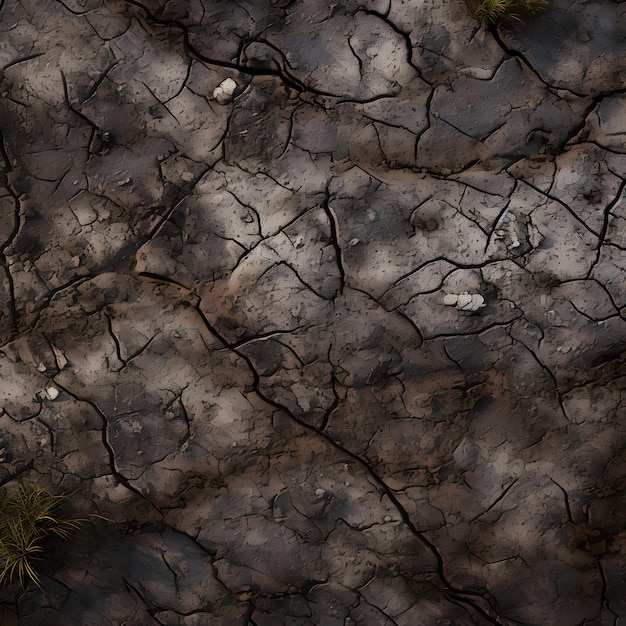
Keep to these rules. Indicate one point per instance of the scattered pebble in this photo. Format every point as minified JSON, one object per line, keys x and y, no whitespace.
{"x":465,"y":301}
{"x":223,"y":93}
{"x":52,"y":393}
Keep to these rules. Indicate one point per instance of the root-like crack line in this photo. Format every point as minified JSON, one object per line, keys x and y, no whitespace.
{"x":286,"y":77}
{"x":8,"y":168}
{"x":109,"y":448}
{"x":471,"y":599}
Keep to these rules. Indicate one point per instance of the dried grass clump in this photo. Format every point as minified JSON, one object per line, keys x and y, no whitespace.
{"x":495,"y":12}
{"x":29,"y":517}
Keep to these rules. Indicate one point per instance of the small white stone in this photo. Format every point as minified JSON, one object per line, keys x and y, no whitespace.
{"x":353,"y":242}
{"x":223,"y":93}
{"x":52,"y":393}
{"x":58,"y":355}
{"x":534,"y":236}
{"x":476,"y":301}
{"x":465,"y":301}
{"x":41,"y":367}
{"x":320,"y":493}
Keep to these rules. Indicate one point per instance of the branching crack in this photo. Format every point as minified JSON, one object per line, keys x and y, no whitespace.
{"x":605,"y":224}
{"x":496,"y":501}
{"x":469,"y":598}
{"x":122,"y":480}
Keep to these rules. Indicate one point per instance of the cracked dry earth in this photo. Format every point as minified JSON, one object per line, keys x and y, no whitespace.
{"x":322,"y":305}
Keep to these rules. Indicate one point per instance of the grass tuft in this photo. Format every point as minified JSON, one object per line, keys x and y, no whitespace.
{"x":495,"y":12}
{"x":28,"y":517}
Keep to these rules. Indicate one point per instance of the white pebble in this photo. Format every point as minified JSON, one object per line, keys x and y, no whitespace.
{"x":223,"y":93}
{"x":52,"y":393}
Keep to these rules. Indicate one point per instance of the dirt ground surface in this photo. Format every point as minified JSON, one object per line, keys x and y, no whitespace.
{"x":321,"y":305}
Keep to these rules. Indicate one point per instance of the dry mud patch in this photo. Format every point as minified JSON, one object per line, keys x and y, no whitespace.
{"x":321,"y":306}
